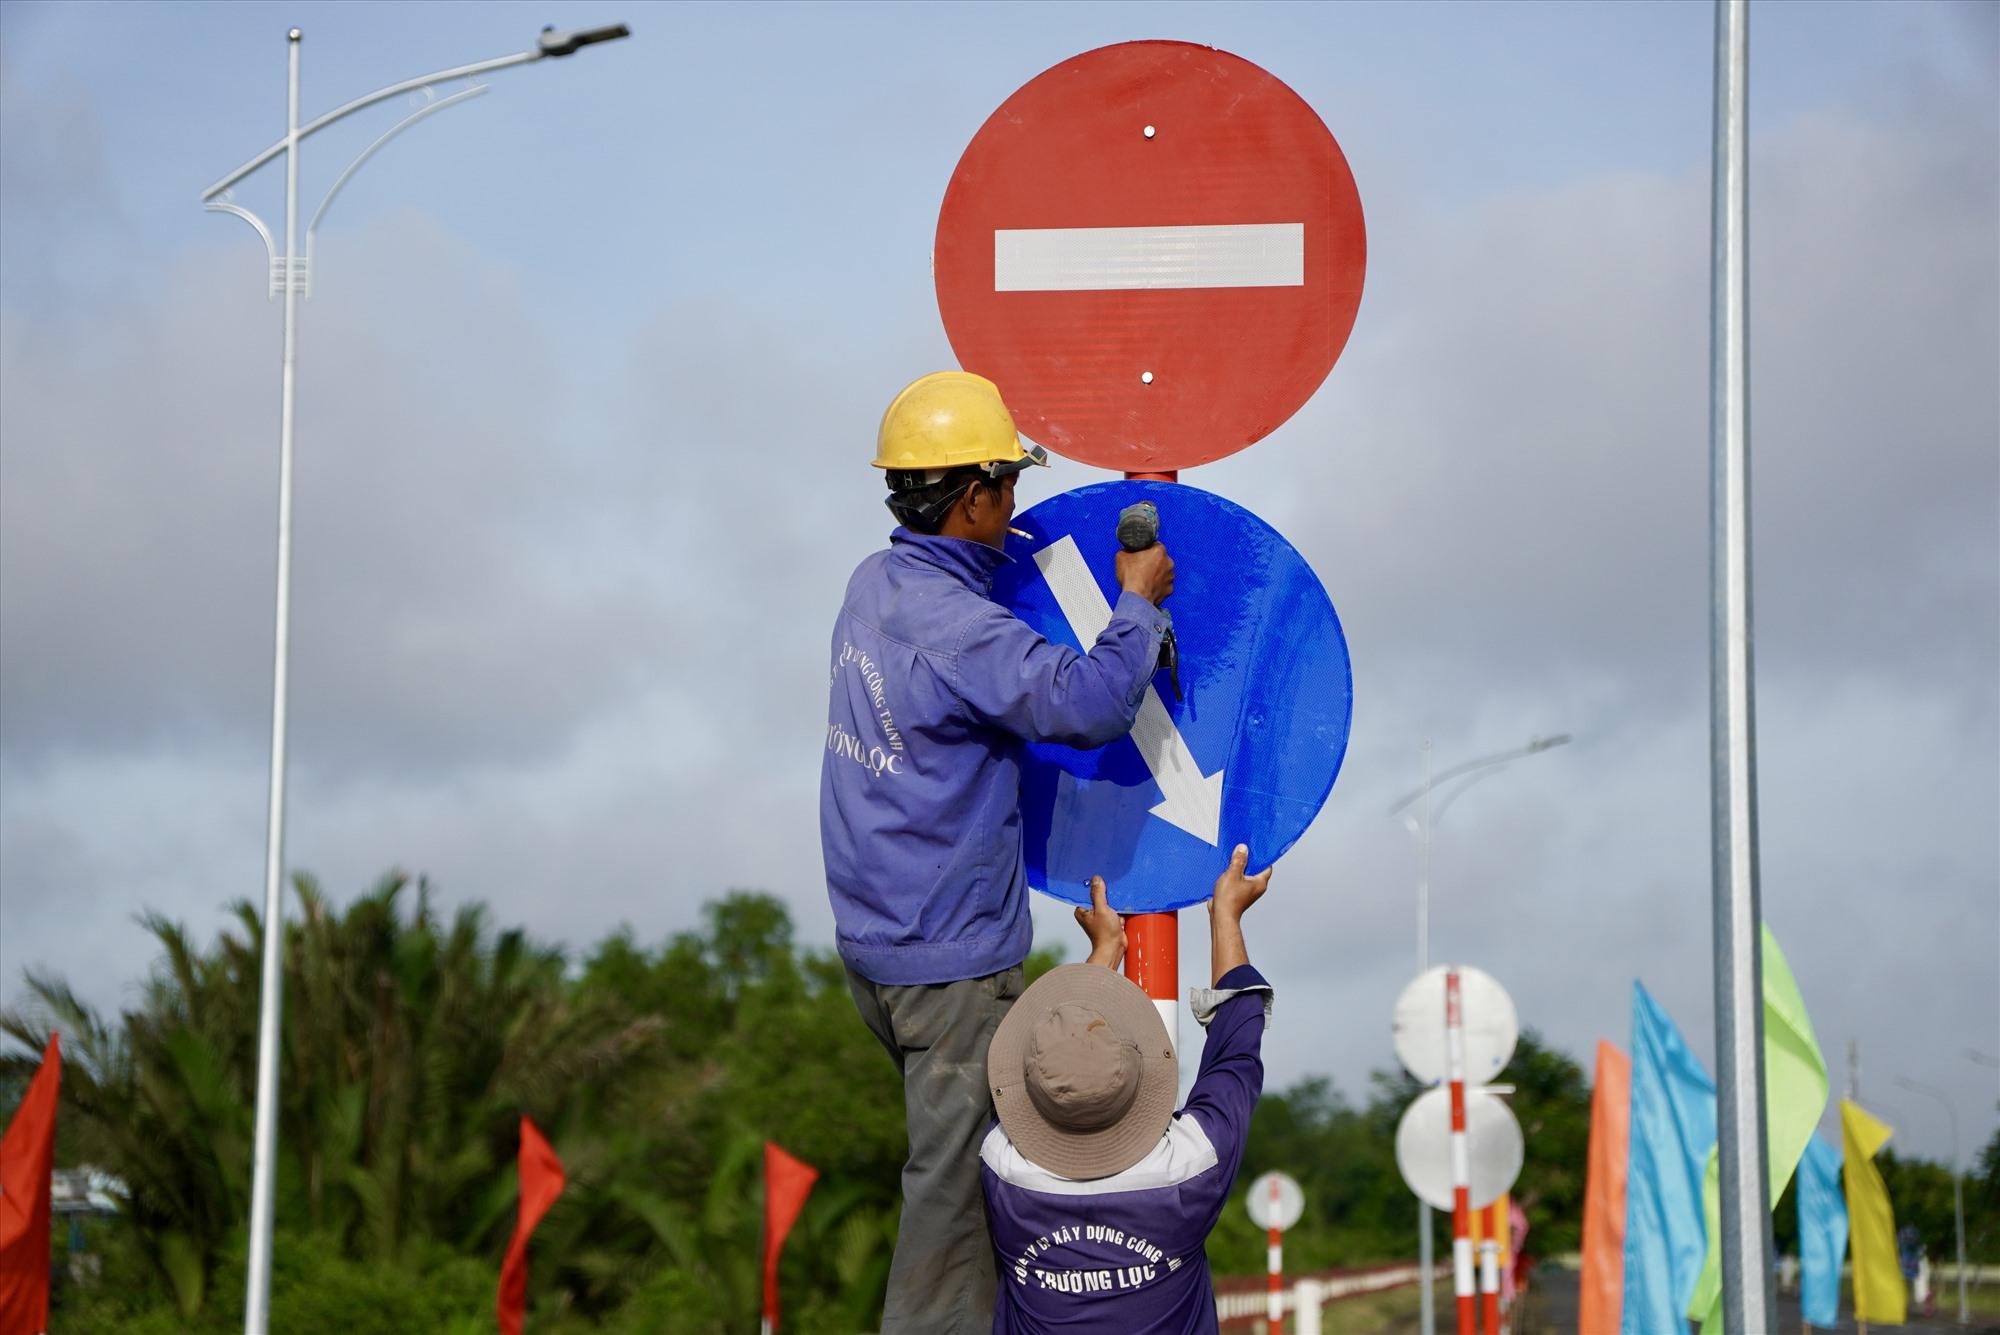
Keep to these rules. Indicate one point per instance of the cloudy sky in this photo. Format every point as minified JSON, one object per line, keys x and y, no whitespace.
{"x":588,"y":391}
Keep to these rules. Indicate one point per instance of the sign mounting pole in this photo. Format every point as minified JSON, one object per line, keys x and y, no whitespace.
{"x":1153,"y":940}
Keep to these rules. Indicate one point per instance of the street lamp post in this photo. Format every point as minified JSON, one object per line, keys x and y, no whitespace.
{"x":1957,"y":1180}
{"x":290,"y":274}
{"x":1421,"y":824}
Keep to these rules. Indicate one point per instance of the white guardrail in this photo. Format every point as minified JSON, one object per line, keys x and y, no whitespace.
{"x":1310,"y":1293}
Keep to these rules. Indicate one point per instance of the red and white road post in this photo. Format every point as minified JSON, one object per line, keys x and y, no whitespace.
{"x":1461,"y":1163}
{"x":1489,"y":1268}
{"x":1276,"y":1311}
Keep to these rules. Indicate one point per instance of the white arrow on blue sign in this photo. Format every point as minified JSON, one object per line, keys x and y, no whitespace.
{"x":1250,"y":751}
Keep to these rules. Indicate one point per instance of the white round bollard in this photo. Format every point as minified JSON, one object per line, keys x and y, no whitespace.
{"x":1306,"y":1300}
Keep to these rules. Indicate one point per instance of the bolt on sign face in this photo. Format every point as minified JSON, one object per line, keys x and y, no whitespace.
{"x":1156,"y":250}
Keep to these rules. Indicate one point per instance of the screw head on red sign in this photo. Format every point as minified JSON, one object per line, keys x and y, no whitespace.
{"x":1156,"y":251}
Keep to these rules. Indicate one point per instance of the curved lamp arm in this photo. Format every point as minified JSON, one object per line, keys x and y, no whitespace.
{"x":1534,"y":745}
{"x":429,"y":109}
{"x":224,"y":205}
{"x":549,"y":44}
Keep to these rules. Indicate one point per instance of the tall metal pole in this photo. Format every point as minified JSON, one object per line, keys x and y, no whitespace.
{"x":1424,"y":868}
{"x":291,"y":268}
{"x":257,"y":1299}
{"x":1749,"y":1302}
{"x":1957,"y":1182}
{"x":1426,"y":1248}
{"x":1958,"y":1212}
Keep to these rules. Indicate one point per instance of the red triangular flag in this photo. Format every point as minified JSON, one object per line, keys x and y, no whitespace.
{"x":787,"y":1183}
{"x":27,"y":1159}
{"x":541,"y":1183}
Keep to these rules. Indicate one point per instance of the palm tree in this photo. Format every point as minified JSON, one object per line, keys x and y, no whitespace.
{"x":410,"y":1050}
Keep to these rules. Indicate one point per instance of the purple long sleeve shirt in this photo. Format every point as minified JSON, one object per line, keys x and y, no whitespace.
{"x":933,"y":691}
{"x":1126,"y":1253}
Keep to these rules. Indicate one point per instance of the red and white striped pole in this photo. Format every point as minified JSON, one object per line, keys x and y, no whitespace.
{"x":1276,"y":1311}
{"x":1461,"y":1163}
{"x":1489,"y":1269}
{"x":1153,"y":940}
{"x":1153,"y":961}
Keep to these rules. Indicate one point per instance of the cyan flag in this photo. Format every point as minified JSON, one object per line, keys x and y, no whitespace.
{"x":1672,"y":1130}
{"x":1822,"y":1233}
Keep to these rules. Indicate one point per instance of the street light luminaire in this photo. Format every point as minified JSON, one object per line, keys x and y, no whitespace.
{"x":553,"y":43}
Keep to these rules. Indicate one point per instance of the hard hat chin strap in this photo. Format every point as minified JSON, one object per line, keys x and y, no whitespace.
{"x":924,"y":508}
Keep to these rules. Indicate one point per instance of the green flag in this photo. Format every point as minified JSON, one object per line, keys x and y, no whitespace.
{"x":1794,"y":1098}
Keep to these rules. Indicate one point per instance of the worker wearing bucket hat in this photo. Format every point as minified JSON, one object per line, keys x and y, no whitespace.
{"x":934,"y":692}
{"x":1101,"y":1195}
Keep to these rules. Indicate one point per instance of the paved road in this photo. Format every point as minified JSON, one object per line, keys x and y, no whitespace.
{"x":1549,"y":1308}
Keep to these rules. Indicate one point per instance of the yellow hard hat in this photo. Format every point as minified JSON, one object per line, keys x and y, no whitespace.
{"x":949,"y":419}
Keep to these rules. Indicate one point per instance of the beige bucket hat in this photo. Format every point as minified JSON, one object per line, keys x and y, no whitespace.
{"x":1082,"y":1073}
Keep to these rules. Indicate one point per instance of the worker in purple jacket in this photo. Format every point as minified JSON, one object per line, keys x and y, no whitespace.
{"x":1101,"y":1195}
{"x":934,"y":689}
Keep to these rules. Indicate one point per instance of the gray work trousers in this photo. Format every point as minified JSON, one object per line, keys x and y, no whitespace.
{"x":944,"y":1275}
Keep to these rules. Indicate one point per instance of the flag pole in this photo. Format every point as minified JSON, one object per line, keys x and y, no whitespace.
{"x":1748,"y":1299}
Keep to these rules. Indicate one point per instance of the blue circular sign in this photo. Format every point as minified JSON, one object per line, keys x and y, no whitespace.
{"x":1248,"y":752}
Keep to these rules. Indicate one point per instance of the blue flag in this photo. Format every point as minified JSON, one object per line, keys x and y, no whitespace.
{"x":1822,"y":1233}
{"x":1672,"y":1130}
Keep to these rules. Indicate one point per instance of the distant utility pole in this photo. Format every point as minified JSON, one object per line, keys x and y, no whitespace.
{"x":290,"y":274}
{"x":1957,"y":1181}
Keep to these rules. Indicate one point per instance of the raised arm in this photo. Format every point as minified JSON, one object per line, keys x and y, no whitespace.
{"x":1234,"y":892}
{"x":1233,"y":1010}
{"x":1044,"y":692}
{"x":1040,"y":691}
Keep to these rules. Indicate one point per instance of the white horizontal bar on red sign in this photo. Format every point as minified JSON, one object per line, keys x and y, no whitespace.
{"x":1087,"y":259}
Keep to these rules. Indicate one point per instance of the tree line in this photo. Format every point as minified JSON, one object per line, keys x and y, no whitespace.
{"x":414,"y":1041}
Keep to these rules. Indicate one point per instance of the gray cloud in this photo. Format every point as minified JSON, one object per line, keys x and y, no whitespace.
{"x":560,"y":628}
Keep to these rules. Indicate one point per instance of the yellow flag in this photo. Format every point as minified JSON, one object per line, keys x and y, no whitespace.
{"x":1878,"y":1274}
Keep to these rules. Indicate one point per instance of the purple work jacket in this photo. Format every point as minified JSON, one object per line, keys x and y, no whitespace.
{"x":933,"y":690}
{"x":1127,"y":1253}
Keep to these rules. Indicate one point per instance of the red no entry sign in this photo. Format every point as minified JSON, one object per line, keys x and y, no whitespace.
{"x":1155,"y":250}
